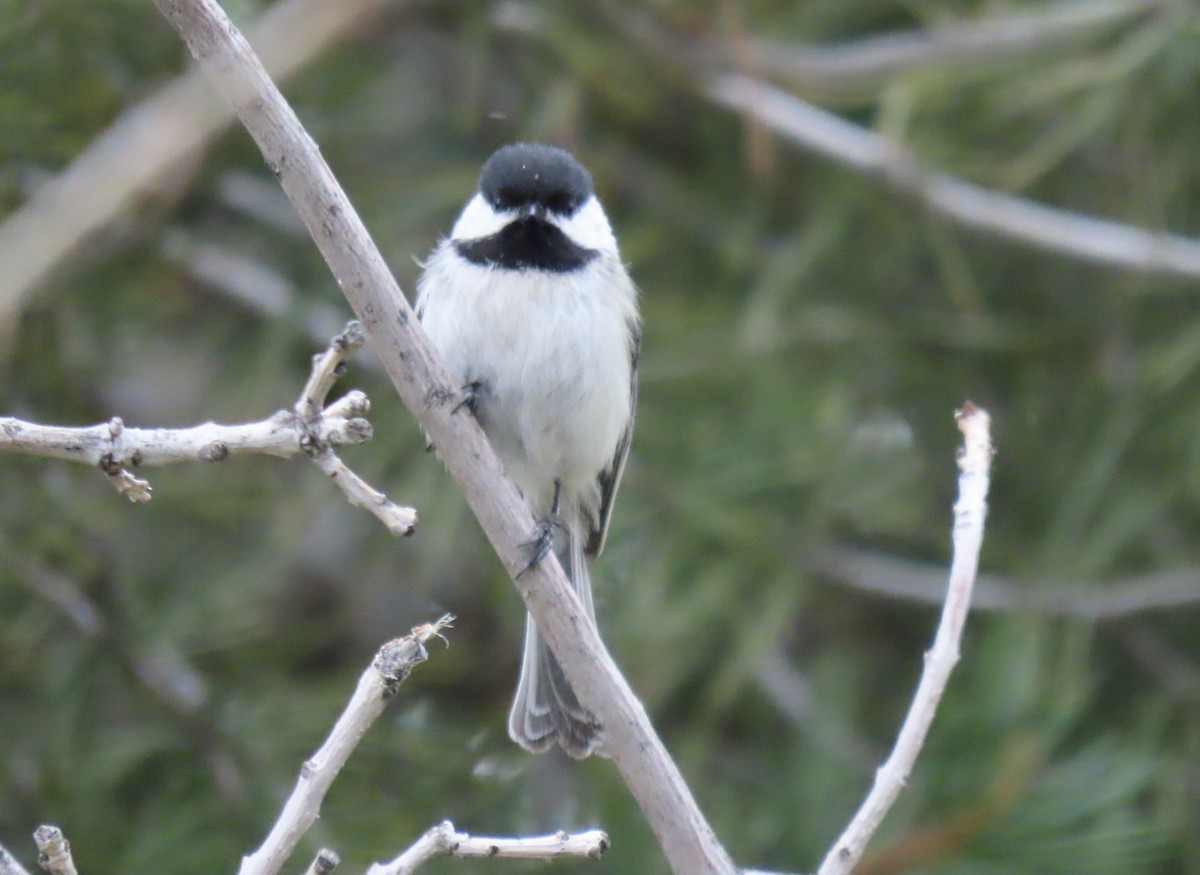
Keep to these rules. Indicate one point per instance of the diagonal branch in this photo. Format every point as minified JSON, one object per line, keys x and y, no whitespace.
{"x":1048,"y":228}
{"x":432,"y":395}
{"x":378,"y":684}
{"x":309,"y":427}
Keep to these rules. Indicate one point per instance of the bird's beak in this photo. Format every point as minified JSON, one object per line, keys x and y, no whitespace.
{"x":533,"y":211}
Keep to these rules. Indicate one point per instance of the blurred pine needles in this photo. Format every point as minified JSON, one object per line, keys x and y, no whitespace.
{"x":808,"y":336}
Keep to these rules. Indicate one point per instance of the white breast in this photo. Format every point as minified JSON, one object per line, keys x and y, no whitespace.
{"x":553,"y":354}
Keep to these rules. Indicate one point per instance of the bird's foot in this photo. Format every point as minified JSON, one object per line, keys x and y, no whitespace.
{"x":471,"y":392}
{"x":541,"y":543}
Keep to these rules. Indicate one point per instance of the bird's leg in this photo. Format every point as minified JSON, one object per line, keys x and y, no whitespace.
{"x":471,"y":392}
{"x":543,"y":537}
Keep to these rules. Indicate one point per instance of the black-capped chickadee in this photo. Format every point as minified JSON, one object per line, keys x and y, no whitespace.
{"x":529,"y":303}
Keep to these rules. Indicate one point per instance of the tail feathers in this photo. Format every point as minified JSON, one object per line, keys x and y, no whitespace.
{"x":545,"y":709}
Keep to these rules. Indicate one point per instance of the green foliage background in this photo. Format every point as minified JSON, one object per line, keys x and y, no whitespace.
{"x":808,"y":337}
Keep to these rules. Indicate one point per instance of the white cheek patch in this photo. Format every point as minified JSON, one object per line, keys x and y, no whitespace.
{"x":478,"y":219}
{"x":588,"y":228}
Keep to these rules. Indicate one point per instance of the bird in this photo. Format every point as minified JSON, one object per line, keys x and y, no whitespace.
{"x":529,"y":303}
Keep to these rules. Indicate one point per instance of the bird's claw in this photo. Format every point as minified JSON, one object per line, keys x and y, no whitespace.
{"x":471,"y":392}
{"x":540,"y":544}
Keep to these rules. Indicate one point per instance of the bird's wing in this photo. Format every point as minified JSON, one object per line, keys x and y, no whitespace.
{"x":610,"y":477}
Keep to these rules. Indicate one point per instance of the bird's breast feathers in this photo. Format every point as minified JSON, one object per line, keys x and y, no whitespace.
{"x":552,"y":352}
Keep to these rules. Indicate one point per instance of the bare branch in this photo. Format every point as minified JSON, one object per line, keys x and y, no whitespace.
{"x":857,"y":70}
{"x":378,"y":683}
{"x":866,"y":65}
{"x":148,"y":141}
{"x":399,"y":520}
{"x":307,"y":428}
{"x":112,"y":446}
{"x":899,"y":578}
{"x":443,"y":839}
{"x":54,"y":851}
{"x":327,"y":367}
{"x":324,"y":863}
{"x":1034,"y":224}
{"x":9,"y":865}
{"x":433,"y":396}
{"x":970,"y":510}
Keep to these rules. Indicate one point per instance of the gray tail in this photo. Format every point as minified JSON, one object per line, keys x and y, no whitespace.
{"x":545,"y":709}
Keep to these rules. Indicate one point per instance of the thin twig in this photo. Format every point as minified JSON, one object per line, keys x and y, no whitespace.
{"x":399,"y":520}
{"x":327,"y":367}
{"x":324,"y":863}
{"x":443,"y":840}
{"x":149,"y":141}
{"x":1054,"y":230}
{"x":970,"y":510}
{"x":1099,"y":600}
{"x":432,"y":395}
{"x":377,"y":685}
{"x":306,"y":428}
{"x":9,"y":865}
{"x":54,"y":851}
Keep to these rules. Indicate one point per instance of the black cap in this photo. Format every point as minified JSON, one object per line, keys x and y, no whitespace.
{"x":532,"y":174}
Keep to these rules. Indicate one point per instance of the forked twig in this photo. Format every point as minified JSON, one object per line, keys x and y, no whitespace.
{"x":309,"y":427}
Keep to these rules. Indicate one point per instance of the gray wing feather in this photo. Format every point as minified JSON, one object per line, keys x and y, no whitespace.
{"x":610,"y":477}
